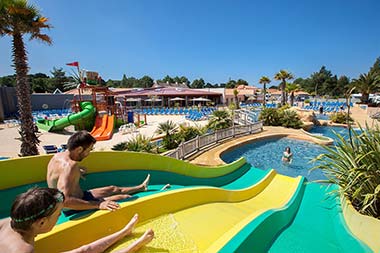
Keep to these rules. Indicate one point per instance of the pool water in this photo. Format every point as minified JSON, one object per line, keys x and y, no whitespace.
{"x":329,"y":131}
{"x":266,"y":154}
{"x":322,"y":116}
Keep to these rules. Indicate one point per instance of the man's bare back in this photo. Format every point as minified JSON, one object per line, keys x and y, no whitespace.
{"x":61,"y":168}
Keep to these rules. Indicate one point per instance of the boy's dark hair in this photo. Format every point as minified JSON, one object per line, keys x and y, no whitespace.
{"x":80,"y":139}
{"x":33,"y":205}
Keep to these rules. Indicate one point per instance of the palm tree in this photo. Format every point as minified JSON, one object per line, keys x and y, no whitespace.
{"x":17,"y":19}
{"x":168,"y":128}
{"x":264,"y":80}
{"x":282,"y":76}
{"x":219,"y":120}
{"x":291,"y":88}
{"x":367,"y":83}
{"x":236,"y":92}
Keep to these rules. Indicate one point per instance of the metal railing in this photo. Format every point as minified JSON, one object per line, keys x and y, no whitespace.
{"x":199,"y":143}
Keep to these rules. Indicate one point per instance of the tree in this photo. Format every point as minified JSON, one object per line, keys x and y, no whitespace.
{"x":181,"y":79}
{"x":146,"y":82}
{"x":198,"y":84}
{"x":342,"y":85}
{"x":264,"y":80}
{"x":168,"y":128}
{"x":124,"y":82}
{"x":41,"y":84}
{"x":59,"y":78}
{"x":236,"y":93}
{"x":282,"y":76}
{"x":241,"y":82}
{"x":8,"y":81}
{"x":219,"y":120}
{"x":110,"y":83}
{"x":231,"y":84}
{"x":167,"y":79}
{"x":325,"y":83}
{"x":209,"y":85}
{"x":291,"y":88}
{"x":184,"y":80}
{"x":375,"y":69}
{"x":366,"y":84}
{"x":19,"y":18}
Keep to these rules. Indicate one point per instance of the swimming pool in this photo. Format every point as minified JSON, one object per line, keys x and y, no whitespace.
{"x":329,"y":131}
{"x":266,"y":154}
{"x":322,"y":116}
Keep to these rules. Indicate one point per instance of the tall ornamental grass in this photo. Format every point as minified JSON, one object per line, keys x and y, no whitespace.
{"x":354,"y":165}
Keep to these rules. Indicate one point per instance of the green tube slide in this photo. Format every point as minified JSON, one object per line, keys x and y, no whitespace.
{"x":88,"y":110}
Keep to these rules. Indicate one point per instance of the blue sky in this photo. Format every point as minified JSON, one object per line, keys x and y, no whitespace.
{"x":214,"y":39}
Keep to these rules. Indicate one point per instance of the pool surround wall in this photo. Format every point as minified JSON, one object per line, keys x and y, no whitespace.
{"x":28,"y":170}
{"x":364,"y":227}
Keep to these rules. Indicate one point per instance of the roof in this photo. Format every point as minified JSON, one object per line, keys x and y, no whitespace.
{"x":243,"y":90}
{"x":167,"y":84}
{"x":167,"y":91}
{"x":88,"y":90}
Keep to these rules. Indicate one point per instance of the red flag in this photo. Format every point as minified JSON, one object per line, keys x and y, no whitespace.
{"x":75,"y":64}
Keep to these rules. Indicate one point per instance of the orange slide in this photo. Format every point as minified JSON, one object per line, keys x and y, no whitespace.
{"x":103,"y":128}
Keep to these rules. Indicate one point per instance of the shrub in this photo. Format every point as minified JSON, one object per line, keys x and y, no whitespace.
{"x":171,"y":141}
{"x":354,"y":167}
{"x":270,"y":117}
{"x":340,"y":117}
{"x":189,"y":132}
{"x":290,"y":119}
{"x":139,"y":143}
{"x":284,"y":107}
{"x":220,"y":120}
{"x":120,"y":146}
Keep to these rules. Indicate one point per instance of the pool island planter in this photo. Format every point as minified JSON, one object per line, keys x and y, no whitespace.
{"x":364,"y":227}
{"x":319,"y":139}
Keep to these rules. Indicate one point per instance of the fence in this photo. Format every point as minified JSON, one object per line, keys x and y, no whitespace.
{"x":199,"y":143}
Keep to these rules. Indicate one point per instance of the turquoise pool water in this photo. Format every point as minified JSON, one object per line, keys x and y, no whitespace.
{"x":267,"y":154}
{"x":329,"y":131}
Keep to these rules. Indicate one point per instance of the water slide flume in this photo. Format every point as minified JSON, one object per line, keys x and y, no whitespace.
{"x":208,"y":216}
{"x":88,"y":110}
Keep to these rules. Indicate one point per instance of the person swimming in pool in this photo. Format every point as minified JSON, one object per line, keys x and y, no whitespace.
{"x":287,"y":155}
{"x":36,"y":212}
{"x":64,"y":173}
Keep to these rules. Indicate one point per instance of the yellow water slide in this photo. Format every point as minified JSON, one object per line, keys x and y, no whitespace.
{"x":196,"y":219}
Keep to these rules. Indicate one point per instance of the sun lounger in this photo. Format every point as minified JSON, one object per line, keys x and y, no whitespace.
{"x":50,"y":149}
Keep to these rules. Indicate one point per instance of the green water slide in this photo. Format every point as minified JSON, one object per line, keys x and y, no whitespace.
{"x":88,"y":110}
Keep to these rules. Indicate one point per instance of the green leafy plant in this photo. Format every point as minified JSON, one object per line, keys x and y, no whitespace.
{"x":354,"y":166}
{"x":340,"y":117}
{"x":138,"y":143}
{"x":220,"y":120}
{"x":170,"y":140}
{"x":290,"y":119}
{"x":120,"y":146}
{"x":189,"y":132}
{"x":270,"y":117}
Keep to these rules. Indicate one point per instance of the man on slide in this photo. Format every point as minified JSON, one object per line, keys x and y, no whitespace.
{"x":64,"y":174}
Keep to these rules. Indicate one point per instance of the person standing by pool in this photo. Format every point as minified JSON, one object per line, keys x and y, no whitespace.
{"x":287,"y":155}
{"x":64,"y":173}
{"x":37,"y":210}
{"x":321,"y":109}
